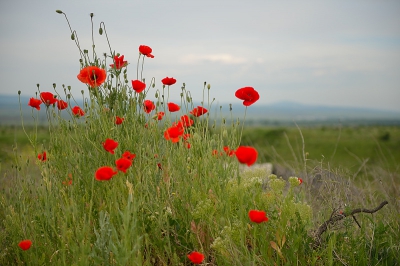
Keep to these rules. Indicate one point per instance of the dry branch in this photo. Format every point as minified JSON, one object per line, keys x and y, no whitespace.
{"x":337,"y":217}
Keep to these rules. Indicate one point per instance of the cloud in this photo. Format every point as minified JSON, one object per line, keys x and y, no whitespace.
{"x":212,"y":58}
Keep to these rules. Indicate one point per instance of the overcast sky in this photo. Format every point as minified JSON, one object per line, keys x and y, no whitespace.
{"x":341,"y":53}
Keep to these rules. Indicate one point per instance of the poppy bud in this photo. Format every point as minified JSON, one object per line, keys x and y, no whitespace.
{"x":37,"y":85}
{"x":205,"y":83}
{"x":69,"y":88}
{"x":82,"y":92}
{"x":85,"y":51}
{"x":54,"y":85}
{"x":208,"y":86}
{"x":100,"y":31}
{"x":19,"y":92}
{"x":156,"y":95}
{"x":59,"y":11}
{"x":72,"y":36}
{"x":188,"y":99}
{"x":91,"y":15}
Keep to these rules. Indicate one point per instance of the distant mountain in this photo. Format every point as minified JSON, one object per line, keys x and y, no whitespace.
{"x":280,"y":112}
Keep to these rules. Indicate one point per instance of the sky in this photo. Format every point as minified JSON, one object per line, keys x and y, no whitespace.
{"x":333,"y":53}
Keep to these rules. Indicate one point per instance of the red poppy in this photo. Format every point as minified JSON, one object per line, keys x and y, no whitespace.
{"x":77,"y":111}
{"x":92,"y":76}
{"x":214,"y":152}
{"x":146,"y":50}
{"x":148,"y":106}
{"x":186,"y":121}
{"x":248,"y":94}
{"x":35,"y":103}
{"x":168,"y":81}
{"x":61,"y":105}
{"x":25,"y":244}
{"x":123,"y":164}
{"x":42,"y":156}
{"x":228,"y":151}
{"x":47,"y":98}
{"x":173,"y":133}
{"x":138,"y":86}
{"x":119,"y":62}
{"x":68,"y":181}
{"x":105,"y":173}
{"x":198,"y":111}
{"x":173,"y":107}
{"x":160,"y":115}
{"x":300,"y":180}
{"x":257,"y":216}
{"x":119,"y":120}
{"x":196,"y":257}
{"x":110,"y":145}
{"x":246,"y":155}
{"x":128,"y":155}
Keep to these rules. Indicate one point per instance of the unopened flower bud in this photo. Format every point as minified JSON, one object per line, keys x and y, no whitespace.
{"x":69,"y":88}
{"x":230,"y":107}
{"x":82,"y":91}
{"x":37,"y":85}
{"x":19,"y":92}
{"x":72,"y":36}
{"x":59,"y":11}
{"x":91,"y":15}
{"x":208,"y":86}
{"x":54,"y":85}
{"x":153,"y":85}
{"x":100,"y":31}
{"x":156,"y":95}
{"x":205,"y":83}
{"x":85,"y":51}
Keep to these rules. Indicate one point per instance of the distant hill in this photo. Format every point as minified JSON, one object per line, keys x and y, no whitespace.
{"x":276,"y":113}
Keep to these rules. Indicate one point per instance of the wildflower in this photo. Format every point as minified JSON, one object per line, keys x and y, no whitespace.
{"x":300,"y":180}
{"x":68,"y":181}
{"x":105,"y":173}
{"x":77,"y":111}
{"x":228,"y":151}
{"x":35,"y":103}
{"x":248,"y":94}
{"x":61,"y":105}
{"x":110,"y":145}
{"x":25,"y":244}
{"x":173,"y":133}
{"x":160,"y":115}
{"x":47,"y":98}
{"x":168,"y":81}
{"x":246,"y":155}
{"x":198,"y":111}
{"x":257,"y":216}
{"x":173,"y":107}
{"x":119,"y":120}
{"x":138,"y":86}
{"x":42,"y":156}
{"x":119,"y":62}
{"x":123,"y":164}
{"x":186,"y":121}
{"x":146,"y":50}
{"x":148,"y":106}
{"x":196,"y":257}
{"x":128,"y":155}
{"x":92,"y":76}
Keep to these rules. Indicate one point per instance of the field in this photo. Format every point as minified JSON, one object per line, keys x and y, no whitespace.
{"x":357,"y":167}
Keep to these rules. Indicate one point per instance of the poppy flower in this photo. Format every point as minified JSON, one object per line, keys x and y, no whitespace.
{"x":246,"y":155}
{"x":248,"y":94}
{"x":228,"y":151}
{"x":160,"y":115}
{"x":173,"y":133}
{"x":119,"y":120}
{"x":35,"y":103}
{"x":300,"y":180}
{"x":123,"y":164}
{"x":92,"y":76}
{"x":186,"y":121}
{"x":148,"y":106}
{"x":25,"y":244}
{"x":68,"y":181}
{"x":198,"y":111}
{"x":77,"y":111}
{"x":146,"y":50}
{"x":110,"y":145}
{"x":42,"y":156}
{"x":257,"y":216}
{"x":196,"y":257}
{"x":173,"y":107}
{"x":47,"y":98}
{"x":128,"y":155}
{"x":105,"y":173}
{"x":138,"y":86}
{"x":61,"y":105}
{"x":119,"y":62}
{"x":168,"y":81}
